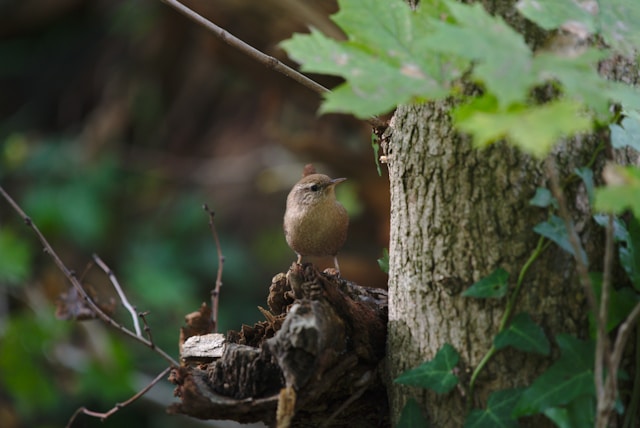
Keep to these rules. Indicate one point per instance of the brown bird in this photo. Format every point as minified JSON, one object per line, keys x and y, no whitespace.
{"x":315,"y":223}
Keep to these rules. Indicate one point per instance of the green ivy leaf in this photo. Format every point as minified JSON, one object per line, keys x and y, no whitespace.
{"x":630,"y":253}
{"x":411,"y":416}
{"x":622,"y":193}
{"x":621,"y":303}
{"x":502,"y":59}
{"x":543,"y":198}
{"x":555,"y":230}
{"x":579,"y":413}
{"x":523,"y":334}
{"x":498,"y":411}
{"x":586,"y":174}
{"x":615,"y":20}
{"x":493,"y":285}
{"x":570,"y":377}
{"x":620,"y":232}
{"x":533,"y":129}
{"x":628,"y":250}
{"x":627,"y":134}
{"x":435,"y":374}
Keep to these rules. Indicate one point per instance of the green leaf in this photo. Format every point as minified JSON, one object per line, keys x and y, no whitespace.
{"x":579,"y":413}
{"x":552,"y":14}
{"x":559,"y":416}
{"x":622,"y":192}
{"x":627,"y":134}
{"x":435,"y":374}
{"x":615,"y":20}
{"x":580,"y":81}
{"x":493,"y":285}
{"x":579,"y":77}
{"x":555,"y":230}
{"x":383,"y":261}
{"x":618,"y":24}
{"x":385,"y":62}
{"x":411,"y":416}
{"x":629,"y":248}
{"x":620,"y":233}
{"x":570,"y":377}
{"x":523,"y":334}
{"x":533,"y":129}
{"x":625,"y":94}
{"x":621,"y":303}
{"x":586,"y":174}
{"x":543,"y":198}
{"x":630,"y":254}
{"x":498,"y":411}
{"x":502,"y":59}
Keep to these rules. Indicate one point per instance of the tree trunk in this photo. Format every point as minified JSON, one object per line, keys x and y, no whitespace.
{"x":457,"y":215}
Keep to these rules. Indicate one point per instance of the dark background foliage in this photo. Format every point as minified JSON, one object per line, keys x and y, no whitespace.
{"x":118,"y":120}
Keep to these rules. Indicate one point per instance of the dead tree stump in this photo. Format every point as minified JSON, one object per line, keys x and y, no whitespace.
{"x":315,"y":361}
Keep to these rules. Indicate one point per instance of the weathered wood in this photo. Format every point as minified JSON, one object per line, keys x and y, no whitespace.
{"x":323,"y":340}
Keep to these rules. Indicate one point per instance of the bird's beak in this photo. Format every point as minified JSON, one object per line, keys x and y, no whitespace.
{"x":337,"y":181}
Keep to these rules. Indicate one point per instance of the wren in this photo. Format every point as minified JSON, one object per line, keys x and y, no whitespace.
{"x":315,"y":223}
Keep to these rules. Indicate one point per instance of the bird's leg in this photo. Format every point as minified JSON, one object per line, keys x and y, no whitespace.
{"x":299,"y":259}
{"x":335,"y":262}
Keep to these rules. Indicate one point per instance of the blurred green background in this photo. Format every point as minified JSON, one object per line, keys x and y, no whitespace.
{"x":118,"y":120}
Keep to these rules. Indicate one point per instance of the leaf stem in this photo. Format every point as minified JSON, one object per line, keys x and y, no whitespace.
{"x":543,"y":244}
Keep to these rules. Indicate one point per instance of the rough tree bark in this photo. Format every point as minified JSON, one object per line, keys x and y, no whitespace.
{"x":457,"y":214}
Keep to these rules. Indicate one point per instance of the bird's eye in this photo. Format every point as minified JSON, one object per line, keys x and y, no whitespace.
{"x":314,"y":187}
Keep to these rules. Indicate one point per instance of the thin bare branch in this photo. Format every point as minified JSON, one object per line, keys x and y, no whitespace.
{"x":215,"y":292}
{"x":623,"y":334}
{"x":268,"y":61}
{"x":602,"y":345}
{"x":71,"y":276}
{"x":123,"y":297}
{"x":147,"y":329}
{"x":104,"y":415}
{"x":605,"y":388}
{"x":606,"y":401}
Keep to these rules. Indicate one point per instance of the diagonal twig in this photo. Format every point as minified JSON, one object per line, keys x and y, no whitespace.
{"x":123,"y":297}
{"x":71,"y":276}
{"x":104,"y":415}
{"x":268,"y":61}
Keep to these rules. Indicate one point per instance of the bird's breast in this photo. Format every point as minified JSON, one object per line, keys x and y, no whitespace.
{"x":319,"y":230}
